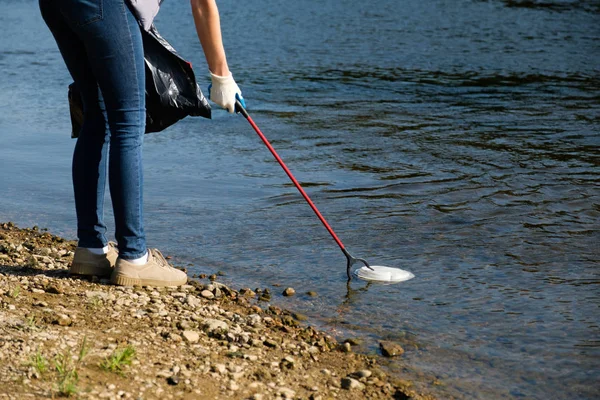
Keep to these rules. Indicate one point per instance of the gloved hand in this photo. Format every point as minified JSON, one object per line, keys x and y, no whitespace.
{"x":224,"y":91}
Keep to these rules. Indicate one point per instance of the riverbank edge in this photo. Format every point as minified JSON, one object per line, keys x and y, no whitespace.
{"x":68,"y":336}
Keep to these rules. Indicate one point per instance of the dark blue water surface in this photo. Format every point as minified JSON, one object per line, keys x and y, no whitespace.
{"x":455,"y":139}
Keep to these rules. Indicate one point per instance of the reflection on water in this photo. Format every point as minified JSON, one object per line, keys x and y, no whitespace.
{"x":458,"y":140}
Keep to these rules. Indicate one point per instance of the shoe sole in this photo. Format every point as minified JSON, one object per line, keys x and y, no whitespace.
{"x":122,"y":280}
{"x":89,"y":269}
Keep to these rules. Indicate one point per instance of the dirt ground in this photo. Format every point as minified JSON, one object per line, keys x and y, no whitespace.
{"x":84,"y":338}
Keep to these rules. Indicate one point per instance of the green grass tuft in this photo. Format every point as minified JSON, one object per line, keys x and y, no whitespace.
{"x":84,"y":349}
{"x":118,"y":360}
{"x":39,"y":362}
{"x":15,"y":292}
{"x":67,"y":375}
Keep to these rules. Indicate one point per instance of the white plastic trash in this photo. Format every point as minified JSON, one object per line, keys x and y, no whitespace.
{"x":383,"y":274}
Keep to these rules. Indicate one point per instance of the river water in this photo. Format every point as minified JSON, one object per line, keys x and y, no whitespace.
{"x":455,"y":139}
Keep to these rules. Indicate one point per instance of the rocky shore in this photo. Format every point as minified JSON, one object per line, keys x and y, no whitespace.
{"x":84,"y":338}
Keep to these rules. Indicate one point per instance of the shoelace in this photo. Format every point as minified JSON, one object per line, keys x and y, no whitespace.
{"x":160,"y":259}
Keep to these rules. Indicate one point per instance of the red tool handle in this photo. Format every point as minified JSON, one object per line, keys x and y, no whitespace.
{"x":242,"y":110}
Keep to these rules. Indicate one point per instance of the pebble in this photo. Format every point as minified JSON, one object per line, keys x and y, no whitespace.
{"x":352,"y":384}
{"x":63,"y":320}
{"x":247,"y":292}
{"x":346,"y":348}
{"x":365,"y":373}
{"x":207,"y":294}
{"x":286,"y":393}
{"x":289,"y":292}
{"x":55,"y":289}
{"x":191,"y":336}
{"x":288,"y":362}
{"x":299,"y":316}
{"x":192,"y":301}
{"x":390,"y":349}
{"x":220,"y":368}
{"x":173,"y":380}
{"x":175,"y":337}
{"x":215,"y":325}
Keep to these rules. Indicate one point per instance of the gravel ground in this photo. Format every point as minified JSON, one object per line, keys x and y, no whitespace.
{"x":85,"y":338}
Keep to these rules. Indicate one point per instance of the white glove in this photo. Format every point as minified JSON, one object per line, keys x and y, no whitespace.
{"x":223,"y":91}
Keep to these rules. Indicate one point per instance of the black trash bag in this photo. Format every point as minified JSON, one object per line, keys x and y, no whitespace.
{"x":172,"y":92}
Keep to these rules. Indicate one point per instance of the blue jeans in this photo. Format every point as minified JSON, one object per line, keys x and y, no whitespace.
{"x":101,"y":44}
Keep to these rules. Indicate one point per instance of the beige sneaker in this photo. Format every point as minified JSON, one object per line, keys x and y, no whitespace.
{"x":87,"y":263}
{"x":156,"y":272}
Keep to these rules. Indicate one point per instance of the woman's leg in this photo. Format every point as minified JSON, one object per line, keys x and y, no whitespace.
{"x":102,"y":46}
{"x":90,"y":158}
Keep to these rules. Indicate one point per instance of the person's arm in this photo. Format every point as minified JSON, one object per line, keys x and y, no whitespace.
{"x":208,"y":27}
{"x":223,"y":90}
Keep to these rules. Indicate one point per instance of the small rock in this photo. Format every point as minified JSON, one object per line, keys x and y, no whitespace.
{"x":173,"y":380}
{"x":215,"y":325}
{"x":164,"y":374}
{"x":352,"y":384}
{"x":390,"y":349}
{"x":346,"y":348}
{"x":247,"y":292}
{"x":311,"y":293}
{"x":207,"y":294}
{"x":289,"y":292}
{"x":175,"y":337}
{"x":354,"y":341}
{"x":287,"y":363}
{"x":364,"y":373}
{"x":254,"y":320}
{"x":220,"y":368}
{"x":265,"y":297}
{"x":256,"y":309}
{"x":299,"y":316}
{"x":63,"y":320}
{"x":191,"y":336}
{"x":55,"y":289}
{"x":286,"y":393}
{"x":91,"y":294}
{"x":270,"y":343}
{"x":192,"y":301}
{"x":184,"y":325}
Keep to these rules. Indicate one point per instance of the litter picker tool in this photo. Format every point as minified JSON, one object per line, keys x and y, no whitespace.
{"x":367,"y":272}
